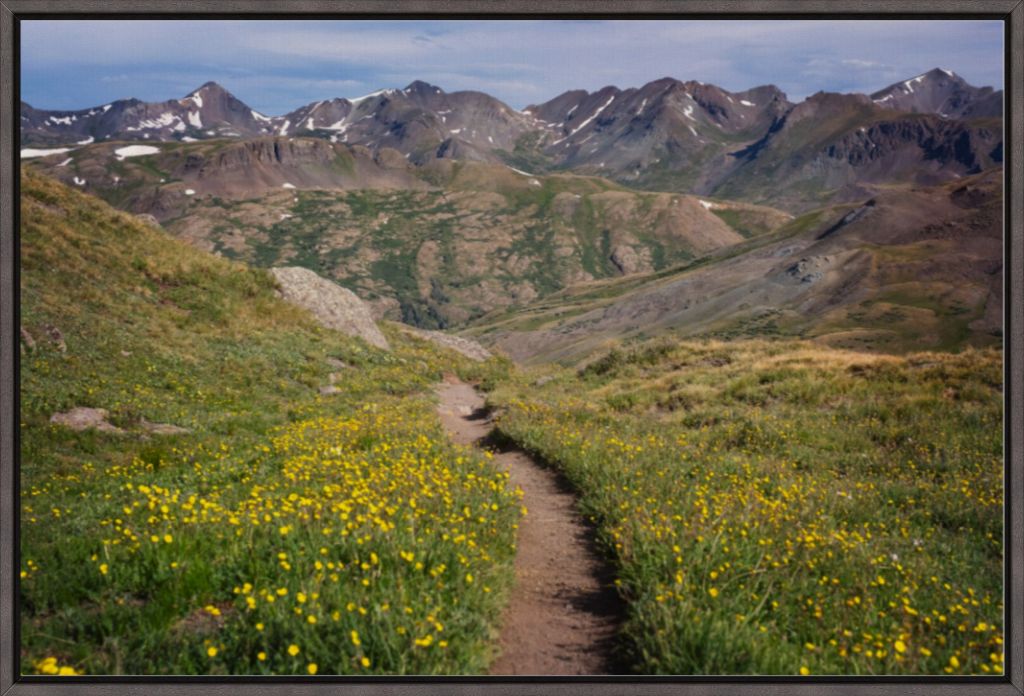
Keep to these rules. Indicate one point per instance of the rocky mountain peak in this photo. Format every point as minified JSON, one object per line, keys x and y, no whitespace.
{"x":209,"y":90}
{"x":421,"y":87}
{"x":942,"y":92}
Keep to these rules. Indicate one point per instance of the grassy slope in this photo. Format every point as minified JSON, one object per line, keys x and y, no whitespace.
{"x":780,"y":507}
{"x":199,"y":553}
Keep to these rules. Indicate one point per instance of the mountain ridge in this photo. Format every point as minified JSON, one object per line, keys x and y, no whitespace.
{"x":667,"y":135}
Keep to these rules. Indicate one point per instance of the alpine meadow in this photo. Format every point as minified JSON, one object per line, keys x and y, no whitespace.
{"x":665,"y":379}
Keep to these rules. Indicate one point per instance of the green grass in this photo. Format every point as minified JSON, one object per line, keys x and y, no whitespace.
{"x":771,"y":507}
{"x":197,"y":553}
{"x":780,"y":507}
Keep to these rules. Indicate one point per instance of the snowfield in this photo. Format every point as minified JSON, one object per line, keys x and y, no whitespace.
{"x":32,"y":152}
{"x":135,"y":151}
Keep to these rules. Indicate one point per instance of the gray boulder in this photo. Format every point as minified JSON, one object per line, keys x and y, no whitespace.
{"x":333,"y":306}
{"x":466,"y":346}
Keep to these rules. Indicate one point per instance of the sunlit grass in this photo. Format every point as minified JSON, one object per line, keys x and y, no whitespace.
{"x":778,"y":507}
{"x":288,"y":532}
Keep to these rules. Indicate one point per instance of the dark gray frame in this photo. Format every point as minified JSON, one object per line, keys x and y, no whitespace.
{"x":1012,"y":684}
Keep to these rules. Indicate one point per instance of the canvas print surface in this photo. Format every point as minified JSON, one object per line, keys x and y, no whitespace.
{"x":539,"y":347}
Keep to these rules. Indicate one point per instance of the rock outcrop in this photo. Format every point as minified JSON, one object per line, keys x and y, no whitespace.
{"x":85,"y":418}
{"x":333,"y":306}
{"x":465,"y":346}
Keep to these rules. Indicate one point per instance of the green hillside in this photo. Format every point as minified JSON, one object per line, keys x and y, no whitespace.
{"x":344,"y":525}
{"x":779,"y":507}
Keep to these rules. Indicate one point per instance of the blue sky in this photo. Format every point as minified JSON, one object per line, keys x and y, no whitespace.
{"x":276,"y":66}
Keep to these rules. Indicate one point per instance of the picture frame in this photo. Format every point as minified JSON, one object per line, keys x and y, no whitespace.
{"x":1011,"y":683}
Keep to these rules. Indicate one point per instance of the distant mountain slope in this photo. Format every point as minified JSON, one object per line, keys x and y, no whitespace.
{"x":838,"y":147}
{"x":912,"y":268}
{"x":941,"y":92}
{"x":163,"y":178}
{"x":210,"y":111}
{"x":639,"y":135}
{"x":421,"y":121}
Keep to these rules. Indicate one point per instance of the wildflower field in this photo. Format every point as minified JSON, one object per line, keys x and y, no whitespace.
{"x":784,"y":508}
{"x":288,"y":532}
{"x":770,"y":507}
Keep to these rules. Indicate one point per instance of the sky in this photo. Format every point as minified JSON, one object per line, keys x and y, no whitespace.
{"x":276,"y":66}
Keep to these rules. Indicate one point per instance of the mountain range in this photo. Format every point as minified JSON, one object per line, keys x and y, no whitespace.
{"x":667,"y":135}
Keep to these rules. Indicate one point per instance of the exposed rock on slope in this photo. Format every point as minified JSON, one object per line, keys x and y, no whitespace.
{"x":466,"y":346}
{"x":85,"y":418}
{"x":333,"y":306}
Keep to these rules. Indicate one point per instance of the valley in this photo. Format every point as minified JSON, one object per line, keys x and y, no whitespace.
{"x":434,"y":246}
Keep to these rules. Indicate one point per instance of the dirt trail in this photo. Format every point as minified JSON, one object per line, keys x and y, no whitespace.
{"x":563,"y":612}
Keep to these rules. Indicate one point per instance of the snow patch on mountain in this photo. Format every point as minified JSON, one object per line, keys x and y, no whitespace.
{"x":590,"y":118}
{"x":371,"y":95}
{"x":162,"y":121}
{"x":135,"y":151}
{"x":28,"y":152}
{"x":909,"y":84}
